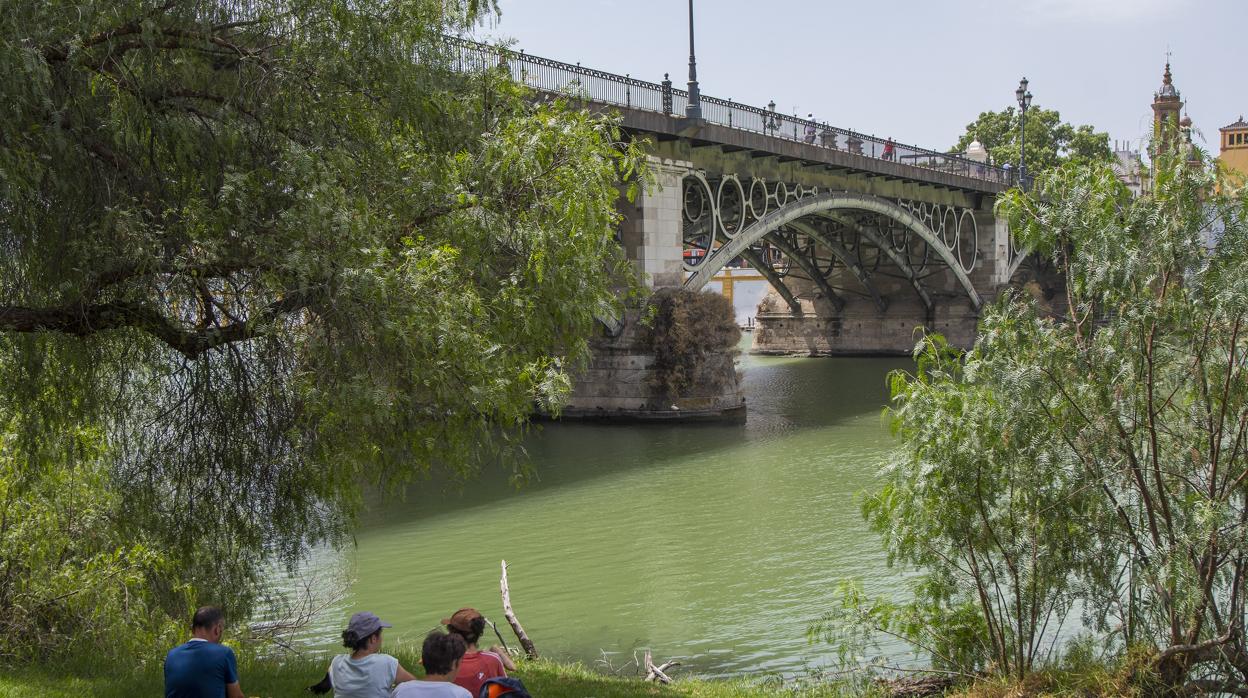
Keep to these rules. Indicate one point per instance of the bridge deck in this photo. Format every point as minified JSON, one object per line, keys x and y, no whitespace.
{"x":655,"y":108}
{"x":705,"y":134}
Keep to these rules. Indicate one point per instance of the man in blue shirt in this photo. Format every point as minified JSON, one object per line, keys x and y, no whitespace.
{"x":202,"y":667}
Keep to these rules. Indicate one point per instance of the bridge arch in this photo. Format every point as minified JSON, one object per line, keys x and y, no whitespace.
{"x":823,"y":204}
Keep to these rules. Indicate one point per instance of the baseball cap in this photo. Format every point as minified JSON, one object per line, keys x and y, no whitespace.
{"x":365,"y":623}
{"x":462,"y":619}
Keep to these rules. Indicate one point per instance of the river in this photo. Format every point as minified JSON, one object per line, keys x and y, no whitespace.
{"x":716,"y":544}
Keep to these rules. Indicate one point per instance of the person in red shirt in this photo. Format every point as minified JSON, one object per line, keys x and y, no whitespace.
{"x":477,"y":665}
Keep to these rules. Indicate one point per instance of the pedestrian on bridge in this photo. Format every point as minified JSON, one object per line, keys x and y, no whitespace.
{"x":810,"y":128}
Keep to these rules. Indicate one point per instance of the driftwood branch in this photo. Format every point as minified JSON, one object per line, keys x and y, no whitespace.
{"x":525,"y":642}
{"x":657,"y":673}
{"x":501,"y":641}
{"x":916,"y":686}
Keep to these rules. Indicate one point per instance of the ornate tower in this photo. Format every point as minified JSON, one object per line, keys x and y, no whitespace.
{"x":1166,"y":108}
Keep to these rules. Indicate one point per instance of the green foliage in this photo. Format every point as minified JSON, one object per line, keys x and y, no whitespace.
{"x":1050,"y":141}
{"x":965,"y":495}
{"x":684,"y":329}
{"x":271,"y":251}
{"x":73,"y":582}
{"x":1094,"y":462}
{"x":948,"y":636}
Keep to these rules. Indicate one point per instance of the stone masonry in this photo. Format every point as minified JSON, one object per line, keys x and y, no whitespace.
{"x":616,"y":385}
{"x":651,"y":230}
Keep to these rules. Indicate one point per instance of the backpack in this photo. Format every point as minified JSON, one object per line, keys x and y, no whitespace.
{"x":508,"y":686}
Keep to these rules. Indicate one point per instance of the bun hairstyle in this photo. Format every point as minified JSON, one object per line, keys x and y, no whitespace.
{"x":352,"y":642}
{"x":476,"y":627}
{"x":468,"y":623}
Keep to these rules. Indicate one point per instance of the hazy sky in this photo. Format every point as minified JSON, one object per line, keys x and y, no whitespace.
{"x":914,"y":70}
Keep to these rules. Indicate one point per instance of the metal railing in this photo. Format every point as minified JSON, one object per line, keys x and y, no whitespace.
{"x":546,"y":75}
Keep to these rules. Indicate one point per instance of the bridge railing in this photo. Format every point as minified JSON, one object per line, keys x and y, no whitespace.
{"x":549,"y":75}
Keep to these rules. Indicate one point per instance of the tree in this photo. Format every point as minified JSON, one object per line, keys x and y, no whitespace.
{"x":1096,"y":461}
{"x":277,"y":250}
{"x":1050,"y":141}
{"x":69,"y":575}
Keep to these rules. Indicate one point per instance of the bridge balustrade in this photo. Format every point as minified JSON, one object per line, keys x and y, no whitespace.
{"x":547,"y":75}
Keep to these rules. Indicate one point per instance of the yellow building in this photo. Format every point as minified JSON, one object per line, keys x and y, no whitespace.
{"x":1234,"y":152}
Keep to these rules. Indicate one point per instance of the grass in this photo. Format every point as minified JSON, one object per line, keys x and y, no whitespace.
{"x":548,"y":679}
{"x":1078,"y":676}
{"x":269,"y":679}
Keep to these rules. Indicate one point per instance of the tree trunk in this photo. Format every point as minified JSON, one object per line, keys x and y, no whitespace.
{"x":529,"y":650}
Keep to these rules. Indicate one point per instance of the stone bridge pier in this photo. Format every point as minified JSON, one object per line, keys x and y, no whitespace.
{"x":617,"y":385}
{"x":652,"y":231}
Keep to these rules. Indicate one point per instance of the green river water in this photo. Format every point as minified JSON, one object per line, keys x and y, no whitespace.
{"x":716,"y":544}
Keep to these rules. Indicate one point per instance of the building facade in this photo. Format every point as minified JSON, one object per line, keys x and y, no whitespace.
{"x":1234,"y":150}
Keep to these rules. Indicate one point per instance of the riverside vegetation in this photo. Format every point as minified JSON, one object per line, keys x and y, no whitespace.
{"x":683,"y":330}
{"x":1076,"y":488}
{"x":257,"y":256}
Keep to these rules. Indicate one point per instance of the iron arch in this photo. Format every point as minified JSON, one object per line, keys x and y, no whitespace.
{"x":823,"y":203}
{"x":777,"y":283}
{"x":806,"y":266}
{"x":844,"y":257}
{"x":892,"y":253}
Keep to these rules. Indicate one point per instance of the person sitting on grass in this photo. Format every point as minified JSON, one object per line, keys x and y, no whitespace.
{"x":478,"y":665}
{"x":202,"y":667}
{"x":440,"y":656}
{"x":365,"y":673}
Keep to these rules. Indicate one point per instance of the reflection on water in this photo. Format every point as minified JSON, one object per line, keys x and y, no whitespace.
{"x":714,"y":543}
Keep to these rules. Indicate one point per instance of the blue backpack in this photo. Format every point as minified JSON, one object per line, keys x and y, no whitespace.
{"x":508,"y":686}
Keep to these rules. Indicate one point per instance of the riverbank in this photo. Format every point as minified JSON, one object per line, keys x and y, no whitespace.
{"x":548,"y":679}
{"x":263,"y":679}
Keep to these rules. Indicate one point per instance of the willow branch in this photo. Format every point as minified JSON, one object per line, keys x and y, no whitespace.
{"x":86,"y":320}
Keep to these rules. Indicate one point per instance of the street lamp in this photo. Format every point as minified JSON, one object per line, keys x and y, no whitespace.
{"x":770,"y":122}
{"x":1024,"y":101}
{"x":693,"y":110}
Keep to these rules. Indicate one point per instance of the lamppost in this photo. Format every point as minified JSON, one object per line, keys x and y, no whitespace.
{"x":693,"y":110}
{"x":1024,"y":101}
{"x":770,"y":122}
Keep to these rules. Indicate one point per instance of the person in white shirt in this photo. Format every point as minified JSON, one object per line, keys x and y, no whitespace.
{"x":440,"y":656}
{"x":366,"y":672}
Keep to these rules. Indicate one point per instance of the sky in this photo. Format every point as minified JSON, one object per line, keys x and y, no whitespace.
{"x":917,"y":71}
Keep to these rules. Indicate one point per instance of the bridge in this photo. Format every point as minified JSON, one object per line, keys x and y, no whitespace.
{"x":862,"y":240}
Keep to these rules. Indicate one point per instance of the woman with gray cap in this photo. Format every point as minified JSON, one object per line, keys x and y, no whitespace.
{"x":365,"y":673}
